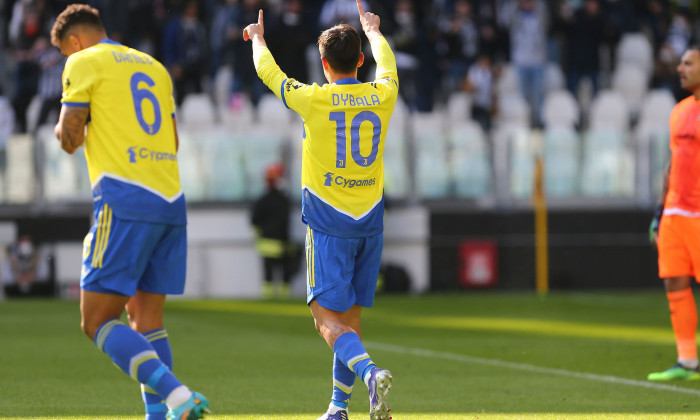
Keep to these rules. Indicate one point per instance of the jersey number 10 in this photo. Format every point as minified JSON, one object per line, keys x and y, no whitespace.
{"x":140,"y":94}
{"x":341,"y":139}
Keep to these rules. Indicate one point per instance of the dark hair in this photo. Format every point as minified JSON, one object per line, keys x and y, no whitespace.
{"x":694,"y":47}
{"x":72,"y":16}
{"x":341,"y":46}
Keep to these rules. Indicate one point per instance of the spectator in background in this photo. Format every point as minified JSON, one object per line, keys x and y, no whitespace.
{"x":527,"y":21}
{"x":460,"y":31}
{"x":270,"y":219}
{"x":51,"y":63}
{"x":27,"y":272}
{"x":479,"y":82}
{"x":334,"y":12}
{"x":245,"y":79}
{"x":27,"y":24}
{"x":290,"y":36}
{"x":7,"y":126}
{"x":222,"y":33}
{"x":404,"y":35}
{"x":680,"y":32}
{"x":185,"y":51}
{"x":584,"y":37}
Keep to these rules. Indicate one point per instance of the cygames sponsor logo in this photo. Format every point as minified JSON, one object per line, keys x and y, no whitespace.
{"x":333,"y":179}
{"x":143,"y":153}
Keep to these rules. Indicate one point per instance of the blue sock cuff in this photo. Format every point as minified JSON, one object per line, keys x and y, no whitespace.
{"x":367,"y":369}
{"x":154,"y":335}
{"x":103,"y":332}
{"x":344,"y":340}
{"x":155,"y":376}
{"x":339,"y":404}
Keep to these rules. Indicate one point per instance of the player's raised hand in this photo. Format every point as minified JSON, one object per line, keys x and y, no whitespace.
{"x":254,"y":28}
{"x":369,"y":21}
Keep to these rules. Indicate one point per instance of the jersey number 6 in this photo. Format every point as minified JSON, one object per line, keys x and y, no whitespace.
{"x":140,"y":94}
{"x":341,"y":139}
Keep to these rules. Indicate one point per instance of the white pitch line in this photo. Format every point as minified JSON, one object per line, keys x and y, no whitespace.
{"x":529,"y":368}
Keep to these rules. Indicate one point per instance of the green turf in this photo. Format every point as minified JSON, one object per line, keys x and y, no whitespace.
{"x":484,"y":355}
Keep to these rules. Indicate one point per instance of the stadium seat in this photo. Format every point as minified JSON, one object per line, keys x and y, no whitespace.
{"x":222,"y":87}
{"x":432,"y":177}
{"x":560,"y":109}
{"x":396,"y":174}
{"x":65,"y":176}
{"x":261,"y":146}
{"x":522,"y":162}
{"x":561,"y":154}
{"x":197,"y":110}
{"x":271,"y":112}
{"x":554,"y":78}
{"x":631,"y":82}
{"x":512,"y":109}
{"x":609,"y":110}
{"x":459,"y":106}
{"x":192,"y":166}
{"x":470,"y":161}
{"x":651,"y":140}
{"x":508,"y":81}
{"x":608,"y":165}
{"x":635,"y":49}
{"x":222,"y":165}
{"x":656,"y":106}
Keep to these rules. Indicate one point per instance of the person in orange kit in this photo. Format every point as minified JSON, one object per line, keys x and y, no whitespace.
{"x":675,"y":227}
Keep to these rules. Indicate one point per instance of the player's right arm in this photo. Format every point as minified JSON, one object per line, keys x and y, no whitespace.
{"x":70,"y":129}
{"x":79,"y":77}
{"x":659,"y":209}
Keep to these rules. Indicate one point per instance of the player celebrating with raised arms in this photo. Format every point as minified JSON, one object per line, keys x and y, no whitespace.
{"x":135,"y":253}
{"x":345,"y":124}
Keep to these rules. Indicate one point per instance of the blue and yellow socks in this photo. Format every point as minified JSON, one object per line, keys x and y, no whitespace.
{"x":135,"y":356}
{"x":155,"y":405}
{"x":352,"y":353}
{"x":343,"y":381}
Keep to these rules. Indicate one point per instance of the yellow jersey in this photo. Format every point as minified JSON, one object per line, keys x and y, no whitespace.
{"x":130,"y":142}
{"x":345,"y":125}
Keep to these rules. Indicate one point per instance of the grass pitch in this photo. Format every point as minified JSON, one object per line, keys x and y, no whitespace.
{"x":477,"y":355}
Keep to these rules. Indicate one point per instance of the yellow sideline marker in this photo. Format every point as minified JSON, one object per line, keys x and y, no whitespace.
{"x":540,"y":202}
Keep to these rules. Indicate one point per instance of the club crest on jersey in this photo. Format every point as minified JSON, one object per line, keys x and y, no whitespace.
{"x":333,"y":179}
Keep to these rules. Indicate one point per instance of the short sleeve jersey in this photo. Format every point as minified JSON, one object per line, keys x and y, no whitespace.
{"x":684,"y":179}
{"x":345,"y":125}
{"x":130,"y":143}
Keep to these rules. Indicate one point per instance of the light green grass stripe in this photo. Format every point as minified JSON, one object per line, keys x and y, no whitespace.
{"x":529,"y":368}
{"x":546,"y":327}
{"x":514,"y":325}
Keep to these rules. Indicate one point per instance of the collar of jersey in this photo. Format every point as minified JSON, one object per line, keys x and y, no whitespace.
{"x":109,"y":41}
{"x":347,"y":81}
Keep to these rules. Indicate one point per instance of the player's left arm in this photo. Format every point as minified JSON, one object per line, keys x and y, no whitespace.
{"x":70,"y":130}
{"x":177,"y":138}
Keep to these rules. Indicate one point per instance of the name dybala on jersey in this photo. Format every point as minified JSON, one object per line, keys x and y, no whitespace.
{"x":345,"y":126}
{"x":130,"y":143}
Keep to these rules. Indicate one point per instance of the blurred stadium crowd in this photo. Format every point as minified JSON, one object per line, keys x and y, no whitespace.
{"x":486,"y":84}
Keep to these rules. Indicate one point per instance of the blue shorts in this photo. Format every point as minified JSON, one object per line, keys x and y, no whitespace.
{"x":342,"y":272}
{"x":122,"y":256}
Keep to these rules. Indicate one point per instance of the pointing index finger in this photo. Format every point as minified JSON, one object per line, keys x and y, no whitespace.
{"x":260,"y":17}
{"x":360,"y":8}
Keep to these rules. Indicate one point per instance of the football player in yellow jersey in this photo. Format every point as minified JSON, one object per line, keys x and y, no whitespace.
{"x":345,"y":123}
{"x":135,"y":253}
